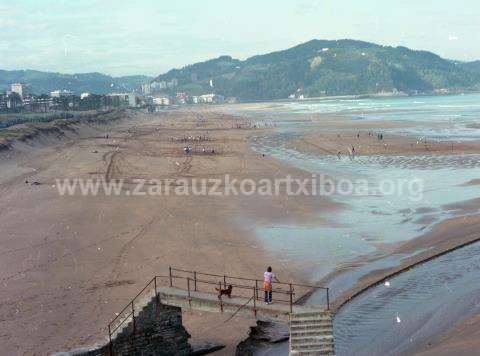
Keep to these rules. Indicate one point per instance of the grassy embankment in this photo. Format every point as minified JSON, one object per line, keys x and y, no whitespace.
{"x":26,"y":126}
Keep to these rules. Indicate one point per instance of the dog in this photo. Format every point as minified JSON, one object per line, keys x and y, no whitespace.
{"x":227,"y":291}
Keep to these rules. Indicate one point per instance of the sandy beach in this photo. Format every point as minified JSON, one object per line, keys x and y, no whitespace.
{"x":69,"y":263}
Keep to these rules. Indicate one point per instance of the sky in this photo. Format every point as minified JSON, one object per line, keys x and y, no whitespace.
{"x":120,"y":37}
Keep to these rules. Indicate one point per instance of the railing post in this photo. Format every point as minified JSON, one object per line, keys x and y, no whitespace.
{"x":291,"y":298}
{"x":254,"y":302}
{"x":157,"y":299}
{"x":189,"y":296}
{"x":133,"y":319}
{"x":220,"y":296}
{"x":110,"y":346}
{"x":170,"y":275}
{"x":195,"y":280}
{"x":328,"y":299}
{"x":224,"y":281}
{"x":256,"y":287}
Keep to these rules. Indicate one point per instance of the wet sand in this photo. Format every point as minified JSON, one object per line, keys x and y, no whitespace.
{"x":462,"y":340}
{"x":366,"y":143}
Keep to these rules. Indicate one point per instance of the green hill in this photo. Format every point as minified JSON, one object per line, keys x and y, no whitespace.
{"x":472,"y":66}
{"x":321,"y":67}
{"x":45,"y":82}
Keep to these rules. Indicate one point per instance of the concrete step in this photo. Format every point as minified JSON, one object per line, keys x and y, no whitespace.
{"x":300,"y":343}
{"x":309,"y":318}
{"x":322,"y":334}
{"x":304,"y":315}
{"x":320,"y":323}
{"x":304,"y":339}
{"x":311,"y":332}
{"x":310,"y":347}
{"x":313,"y":352}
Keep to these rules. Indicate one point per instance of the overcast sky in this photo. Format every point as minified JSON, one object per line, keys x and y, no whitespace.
{"x":121,"y":37}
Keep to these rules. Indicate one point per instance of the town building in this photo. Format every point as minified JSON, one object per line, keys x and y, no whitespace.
{"x":61,"y":93}
{"x":19,"y":88}
{"x":3,"y":101}
{"x":125,"y":99}
{"x":182,"y":98}
{"x":147,"y":88}
{"x":173,"y":83}
{"x":156,"y":86}
{"x":210,"y":99}
{"x":162,"y":101}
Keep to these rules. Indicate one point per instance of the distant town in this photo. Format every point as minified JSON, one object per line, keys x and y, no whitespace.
{"x":151,"y":95}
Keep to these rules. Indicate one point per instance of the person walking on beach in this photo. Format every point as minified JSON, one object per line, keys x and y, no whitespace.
{"x":268,"y":278}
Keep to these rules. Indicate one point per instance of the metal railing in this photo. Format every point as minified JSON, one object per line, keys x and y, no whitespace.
{"x":282,"y":292}
{"x":194,"y":281}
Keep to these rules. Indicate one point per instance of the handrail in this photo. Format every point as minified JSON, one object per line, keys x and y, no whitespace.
{"x":239,"y":308}
{"x":121,"y":323}
{"x":243,"y":278}
{"x":281,"y":291}
{"x":131,"y":301}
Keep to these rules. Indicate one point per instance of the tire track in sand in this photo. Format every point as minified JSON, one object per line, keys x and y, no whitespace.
{"x":119,"y":260}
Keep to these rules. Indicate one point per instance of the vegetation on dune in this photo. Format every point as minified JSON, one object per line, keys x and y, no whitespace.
{"x":32,"y":125}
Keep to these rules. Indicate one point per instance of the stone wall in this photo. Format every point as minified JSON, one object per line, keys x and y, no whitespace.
{"x":158,"y":331}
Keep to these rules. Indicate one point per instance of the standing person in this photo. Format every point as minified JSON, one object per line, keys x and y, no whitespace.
{"x":268,"y":278}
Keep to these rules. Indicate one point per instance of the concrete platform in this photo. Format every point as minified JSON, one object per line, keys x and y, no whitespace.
{"x":242,"y":306}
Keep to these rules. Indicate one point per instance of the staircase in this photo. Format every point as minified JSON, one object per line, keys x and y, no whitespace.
{"x":311,"y":334}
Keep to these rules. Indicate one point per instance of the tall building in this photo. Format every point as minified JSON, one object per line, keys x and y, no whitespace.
{"x":157,"y":86}
{"x":146,"y":88}
{"x":19,"y":88}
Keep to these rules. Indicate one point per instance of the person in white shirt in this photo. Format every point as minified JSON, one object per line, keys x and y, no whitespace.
{"x":268,"y":278}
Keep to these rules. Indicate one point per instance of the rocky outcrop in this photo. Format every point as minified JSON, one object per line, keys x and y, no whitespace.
{"x":265,"y":334}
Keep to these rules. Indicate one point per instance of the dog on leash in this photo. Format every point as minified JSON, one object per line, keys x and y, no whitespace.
{"x":227,"y":291}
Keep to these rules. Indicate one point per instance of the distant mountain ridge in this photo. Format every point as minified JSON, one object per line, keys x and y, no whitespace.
{"x":323,"y":67}
{"x":45,"y":82}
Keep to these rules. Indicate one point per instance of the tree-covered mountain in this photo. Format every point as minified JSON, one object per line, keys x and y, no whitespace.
{"x":321,"y":67}
{"x":45,"y":82}
{"x":472,"y":66}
